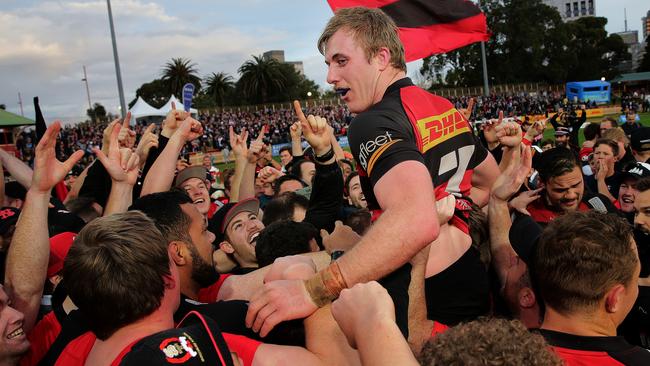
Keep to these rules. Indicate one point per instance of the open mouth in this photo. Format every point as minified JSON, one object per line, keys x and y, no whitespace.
{"x":16,"y":333}
{"x":627,"y":200}
{"x":198,"y":200}
{"x":253,"y":238}
{"x":342,"y":91}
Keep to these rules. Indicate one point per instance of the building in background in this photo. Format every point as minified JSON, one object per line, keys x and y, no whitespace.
{"x":278,"y":55}
{"x":572,"y":10}
{"x":645,"y":26}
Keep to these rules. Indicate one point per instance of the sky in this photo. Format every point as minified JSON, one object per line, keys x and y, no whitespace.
{"x":44,"y":44}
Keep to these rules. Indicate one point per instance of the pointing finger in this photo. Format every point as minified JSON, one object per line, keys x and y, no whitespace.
{"x":299,"y":113}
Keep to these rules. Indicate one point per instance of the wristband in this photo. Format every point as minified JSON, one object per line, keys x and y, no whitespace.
{"x":325,"y":157}
{"x":526,"y":141}
{"x":326,"y":285}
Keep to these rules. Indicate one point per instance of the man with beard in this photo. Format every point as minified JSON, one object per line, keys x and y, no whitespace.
{"x":563,"y":188}
{"x":353,"y":191}
{"x":237,"y":226}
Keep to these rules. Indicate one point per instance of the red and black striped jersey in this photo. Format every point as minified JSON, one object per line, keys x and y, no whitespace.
{"x":410,"y":123}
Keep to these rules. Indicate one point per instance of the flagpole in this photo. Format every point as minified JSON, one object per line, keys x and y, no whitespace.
{"x":117,"y":61}
{"x":486,"y":87}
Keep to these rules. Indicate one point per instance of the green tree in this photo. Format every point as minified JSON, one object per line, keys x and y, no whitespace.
{"x":260,"y":79}
{"x":3,"y":107}
{"x":155,"y":92}
{"x":645,"y":63}
{"x":97,"y":113}
{"x":529,"y":43}
{"x":597,"y":53}
{"x":178,"y":72}
{"x":218,"y":86}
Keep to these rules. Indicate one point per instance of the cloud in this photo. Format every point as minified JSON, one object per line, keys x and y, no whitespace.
{"x":43,"y":48}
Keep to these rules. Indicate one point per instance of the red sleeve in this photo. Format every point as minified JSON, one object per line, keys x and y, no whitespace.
{"x":61,"y":191}
{"x":41,"y":339}
{"x":209,"y":294}
{"x":244,"y":347}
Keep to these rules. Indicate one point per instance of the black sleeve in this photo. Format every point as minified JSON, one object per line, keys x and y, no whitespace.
{"x":325,"y":199}
{"x":151,"y":158}
{"x":97,"y":183}
{"x":554,"y":121}
{"x":379,"y":142}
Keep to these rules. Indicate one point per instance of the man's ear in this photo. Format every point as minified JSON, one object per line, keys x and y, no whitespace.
{"x":614,"y":297}
{"x":226,"y":247}
{"x":526,"y":298}
{"x":383,"y":58}
{"x":178,"y":252}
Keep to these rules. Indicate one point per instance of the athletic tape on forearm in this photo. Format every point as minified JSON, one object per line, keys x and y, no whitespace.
{"x":326,"y":285}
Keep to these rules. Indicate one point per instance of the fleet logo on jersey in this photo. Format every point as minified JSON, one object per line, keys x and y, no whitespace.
{"x":177,"y":349}
{"x":440,"y":128}
{"x":369,"y":151}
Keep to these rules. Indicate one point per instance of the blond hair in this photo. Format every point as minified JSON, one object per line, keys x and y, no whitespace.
{"x":372,"y":29}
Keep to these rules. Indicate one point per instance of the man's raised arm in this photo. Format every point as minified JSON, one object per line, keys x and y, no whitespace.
{"x":30,"y":248}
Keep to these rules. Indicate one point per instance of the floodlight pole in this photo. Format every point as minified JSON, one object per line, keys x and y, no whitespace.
{"x":118,"y":74}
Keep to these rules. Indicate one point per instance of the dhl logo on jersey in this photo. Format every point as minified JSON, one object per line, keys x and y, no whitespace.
{"x":440,"y":128}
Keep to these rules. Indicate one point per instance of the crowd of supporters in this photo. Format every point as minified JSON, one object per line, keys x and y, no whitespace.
{"x":457,"y":235}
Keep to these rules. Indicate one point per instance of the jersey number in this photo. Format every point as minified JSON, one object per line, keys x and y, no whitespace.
{"x":459,"y":160}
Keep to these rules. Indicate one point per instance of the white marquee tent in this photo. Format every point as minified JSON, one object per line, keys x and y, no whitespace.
{"x":179,"y":105}
{"x":143,"y":109}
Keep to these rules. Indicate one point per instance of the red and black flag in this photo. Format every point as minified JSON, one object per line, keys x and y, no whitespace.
{"x":427,"y":27}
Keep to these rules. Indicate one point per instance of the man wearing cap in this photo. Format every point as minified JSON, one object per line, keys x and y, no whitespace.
{"x":627,"y":191}
{"x":8,"y":219}
{"x":562,"y":137}
{"x":236,"y":227}
{"x":640,"y":144}
{"x":193,"y":180}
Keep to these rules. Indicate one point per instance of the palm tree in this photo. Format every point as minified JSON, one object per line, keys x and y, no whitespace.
{"x":179,"y":72}
{"x":218,"y":86}
{"x":260,"y":77}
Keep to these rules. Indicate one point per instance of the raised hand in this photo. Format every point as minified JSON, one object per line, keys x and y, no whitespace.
{"x":238,"y":142}
{"x":258,"y":148}
{"x":295,"y":130}
{"x":509,"y":133}
{"x":509,"y":182}
{"x":173,"y":120}
{"x":520,"y":202}
{"x":315,"y":129}
{"x":190,"y":129}
{"x":48,"y":170}
{"x":126,"y":137}
{"x":342,"y":238}
{"x":536,"y":129}
{"x":467,"y":113}
{"x":147,"y":141}
{"x":121,"y":164}
{"x":269,"y":174}
{"x":359,"y":306}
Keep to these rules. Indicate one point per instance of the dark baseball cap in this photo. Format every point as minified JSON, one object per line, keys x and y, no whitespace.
{"x":640,"y":139}
{"x":196,"y":171}
{"x":8,"y":217}
{"x":227,"y":212}
{"x":561,"y":131}
{"x":637,"y":170}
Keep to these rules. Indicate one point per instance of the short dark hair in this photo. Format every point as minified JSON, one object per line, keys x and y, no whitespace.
{"x":579,"y":257}
{"x":282,"y":207}
{"x":611,"y":143}
{"x":285,"y":148}
{"x":283,"y":238}
{"x":347,"y":162}
{"x":643,"y":184}
{"x":285,"y":178}
{"x":346,"y":186}
{"x":82,"y":206}
{"x":488,"y":341}
{"x":592,"y":131}
{"x":556,"y":162}
{"x":164,"y":208}
{"x":296,"y":169}
{"x":114,"y":271}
